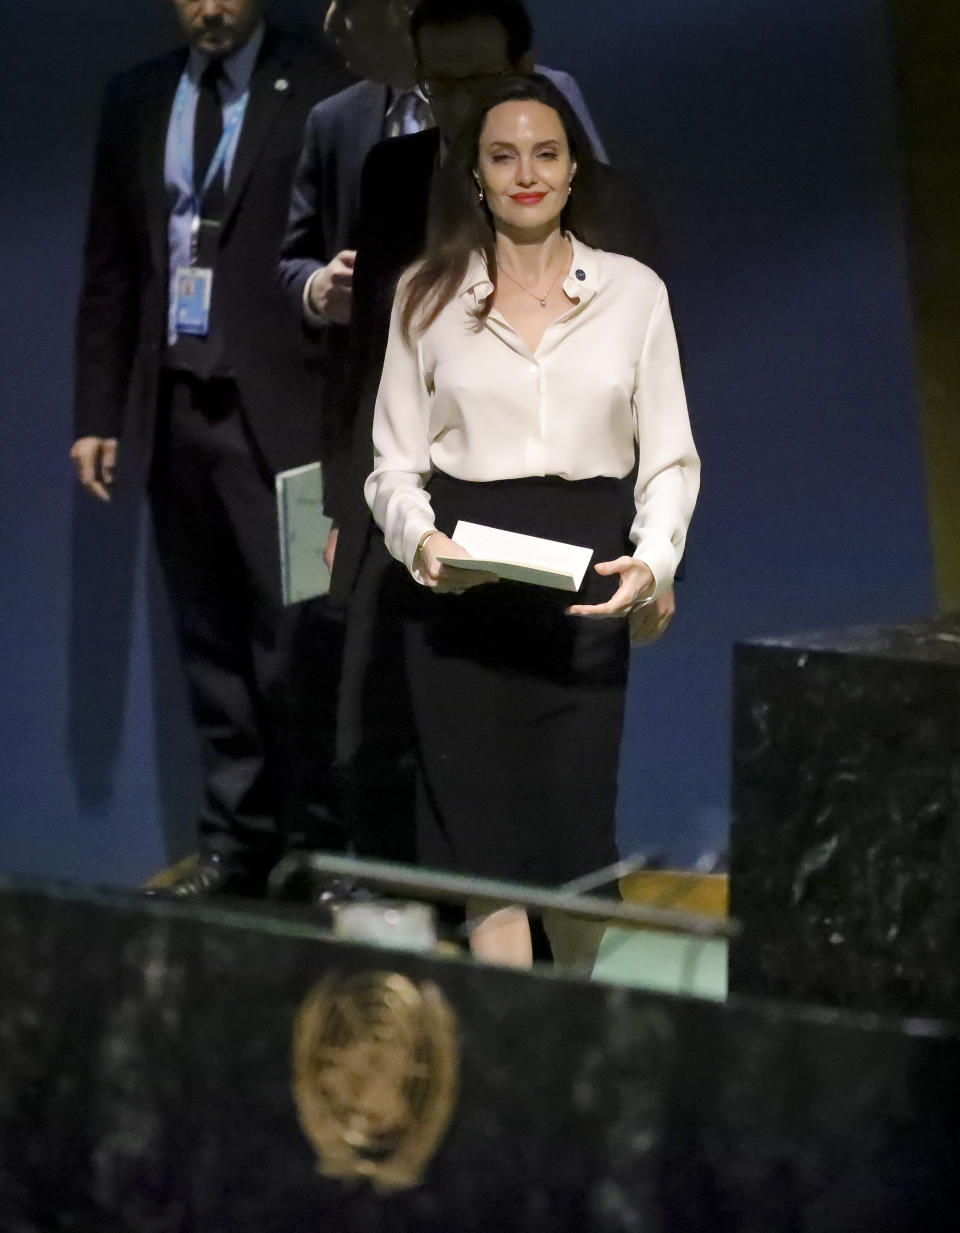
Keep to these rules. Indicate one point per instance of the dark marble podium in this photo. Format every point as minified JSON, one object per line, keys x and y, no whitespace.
{"x":845,"y":848}
{"x":145,"y":1087}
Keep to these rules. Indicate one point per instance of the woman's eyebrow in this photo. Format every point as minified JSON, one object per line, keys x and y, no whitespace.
{"x":537,"y":145}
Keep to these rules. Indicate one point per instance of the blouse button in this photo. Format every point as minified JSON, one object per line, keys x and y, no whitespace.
{"x":580,"y":275}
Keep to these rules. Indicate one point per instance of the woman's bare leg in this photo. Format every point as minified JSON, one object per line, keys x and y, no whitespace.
{"x":500,"y":934}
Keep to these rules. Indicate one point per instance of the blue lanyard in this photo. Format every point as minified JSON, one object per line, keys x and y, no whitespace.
{"x":233,"y":118}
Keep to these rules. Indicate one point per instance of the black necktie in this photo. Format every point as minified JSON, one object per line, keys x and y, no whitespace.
{"x":207,"y":131}
{"x":203,"y":356}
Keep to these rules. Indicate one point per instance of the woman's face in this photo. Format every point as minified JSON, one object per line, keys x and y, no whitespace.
{"x":524,"y":165}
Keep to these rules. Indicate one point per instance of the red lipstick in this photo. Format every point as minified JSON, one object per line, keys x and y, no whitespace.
{"x":527,"y":198}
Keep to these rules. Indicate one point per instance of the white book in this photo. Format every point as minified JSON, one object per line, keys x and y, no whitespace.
{"x":520,"y":558}
{"x":303,"y":529}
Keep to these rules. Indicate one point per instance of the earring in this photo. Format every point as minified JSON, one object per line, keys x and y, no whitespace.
{"x":569,"y":189}
{"x":480,"y":197}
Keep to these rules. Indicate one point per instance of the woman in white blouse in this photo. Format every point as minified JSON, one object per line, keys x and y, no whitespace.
{"x":531,"y":383}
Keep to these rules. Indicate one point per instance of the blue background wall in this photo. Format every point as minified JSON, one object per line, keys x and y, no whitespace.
{"x":766,"y":138}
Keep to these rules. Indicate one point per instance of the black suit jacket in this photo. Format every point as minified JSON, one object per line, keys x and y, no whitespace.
{"x":394,"y":208}
{"x":325,"y":199}
{"x":121,"y":320}
{"x":391,"y":232}
{"x":322,"y":220}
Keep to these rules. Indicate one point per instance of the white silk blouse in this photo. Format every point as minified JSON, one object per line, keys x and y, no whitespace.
{"x":476,"y":402}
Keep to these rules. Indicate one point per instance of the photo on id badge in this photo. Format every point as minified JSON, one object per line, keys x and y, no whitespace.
{"x":193,"y":287}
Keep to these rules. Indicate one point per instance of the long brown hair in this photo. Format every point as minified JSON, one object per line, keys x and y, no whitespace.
{"x":461,"y":224}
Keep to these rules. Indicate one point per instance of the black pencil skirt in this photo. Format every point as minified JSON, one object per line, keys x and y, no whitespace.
{"x":518,"y":708}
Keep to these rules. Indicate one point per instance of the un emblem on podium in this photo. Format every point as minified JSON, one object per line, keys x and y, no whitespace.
{"x":376,"y":1074}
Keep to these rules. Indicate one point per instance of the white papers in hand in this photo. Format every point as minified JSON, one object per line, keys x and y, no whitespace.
{"x":520,"y":558}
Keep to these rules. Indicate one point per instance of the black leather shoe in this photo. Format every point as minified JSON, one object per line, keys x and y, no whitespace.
{"x":330,"y":892}
{"x":212,"y":875}
{"x":306,"y":887}
{"x":295,"y":881}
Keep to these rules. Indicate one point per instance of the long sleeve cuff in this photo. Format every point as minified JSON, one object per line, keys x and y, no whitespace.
{"x":310,"y":314}
{"x":660,"y":558}
{"x":417,"y":525}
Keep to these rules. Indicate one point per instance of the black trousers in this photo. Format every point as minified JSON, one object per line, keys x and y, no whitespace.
{"x":375,"y":739}
{"x":261,"y":678}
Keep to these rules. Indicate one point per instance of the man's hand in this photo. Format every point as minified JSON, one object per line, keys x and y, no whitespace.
{"x":648,"y":622}
{"x":95,"y":459}
{"x":330,"y":549}
{"x":330,"y":290}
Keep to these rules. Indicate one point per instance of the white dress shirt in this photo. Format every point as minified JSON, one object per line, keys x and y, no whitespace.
{"x":234,"y":90}
{"x":407,"y":112}
{"x":477,"y":403}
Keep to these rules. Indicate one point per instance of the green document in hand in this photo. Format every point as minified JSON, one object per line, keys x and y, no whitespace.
{"x":304,"y":529}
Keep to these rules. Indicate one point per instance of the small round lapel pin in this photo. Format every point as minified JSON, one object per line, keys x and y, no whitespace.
{"x":281,"y":84}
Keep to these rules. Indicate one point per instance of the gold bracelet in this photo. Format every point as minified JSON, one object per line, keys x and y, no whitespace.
{"x":418,"y":555}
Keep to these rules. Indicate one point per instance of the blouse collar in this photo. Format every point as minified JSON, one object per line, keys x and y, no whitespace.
{"x":580,"y":284}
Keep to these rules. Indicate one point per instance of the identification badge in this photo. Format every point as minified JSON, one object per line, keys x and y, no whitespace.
{"x":193,"y":286}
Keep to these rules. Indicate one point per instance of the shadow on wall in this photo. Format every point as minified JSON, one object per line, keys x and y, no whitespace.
{"x":103,"y":562}
{"x":113,"y":568}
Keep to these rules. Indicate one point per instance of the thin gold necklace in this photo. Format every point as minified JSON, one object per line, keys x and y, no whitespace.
{"x":541,"y":299}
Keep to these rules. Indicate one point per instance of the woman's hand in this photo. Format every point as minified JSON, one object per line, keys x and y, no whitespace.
{"x":444,"y":579}
{"x":649,"y":621}
{"x":636,"y":584}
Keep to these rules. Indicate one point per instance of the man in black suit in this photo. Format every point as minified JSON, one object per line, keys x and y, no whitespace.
{"x":319,"y":248}
{"x":185,"y":352}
